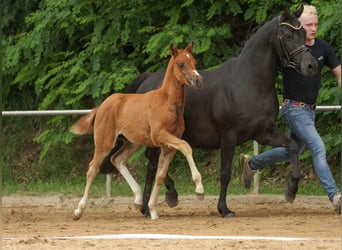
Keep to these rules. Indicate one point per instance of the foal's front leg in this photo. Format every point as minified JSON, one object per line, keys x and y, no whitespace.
{"x":165,"y":158}
{"x":186,"y":150}
{"x":171,"y":195}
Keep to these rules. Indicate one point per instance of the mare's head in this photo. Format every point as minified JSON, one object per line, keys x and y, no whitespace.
{"x":185,"y":66}
{"x":289,"y":44}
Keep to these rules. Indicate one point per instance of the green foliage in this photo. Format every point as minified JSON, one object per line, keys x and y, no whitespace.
{"x":71,"y":54}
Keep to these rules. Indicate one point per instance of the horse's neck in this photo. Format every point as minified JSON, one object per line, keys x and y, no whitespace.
{"x":258,"y":54}
{"x":172,"y":86}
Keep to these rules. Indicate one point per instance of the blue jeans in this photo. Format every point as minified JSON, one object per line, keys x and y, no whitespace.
{"x":301,"y":121}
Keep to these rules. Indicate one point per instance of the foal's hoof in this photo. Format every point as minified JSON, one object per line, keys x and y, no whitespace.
{"x":75,"y":217}
{"x":154,"y":215}
{"x":171,"y":199}
{"x":200,"y":196}
{"x":138,"y":207}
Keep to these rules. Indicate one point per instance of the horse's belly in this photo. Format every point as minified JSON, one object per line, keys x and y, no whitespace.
{"x":203,"y":139}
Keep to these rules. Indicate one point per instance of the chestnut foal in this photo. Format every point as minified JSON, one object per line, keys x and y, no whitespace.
{"x":153,"y":119}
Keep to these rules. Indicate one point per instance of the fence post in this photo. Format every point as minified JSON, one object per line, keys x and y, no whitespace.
{"x":109,"y":185}
{"x":256,"y":177}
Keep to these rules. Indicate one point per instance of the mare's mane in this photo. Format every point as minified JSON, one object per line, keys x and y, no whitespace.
{"x":252,"y":32}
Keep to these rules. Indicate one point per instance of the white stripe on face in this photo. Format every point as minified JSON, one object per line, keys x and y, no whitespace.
{"x":196,"y":73}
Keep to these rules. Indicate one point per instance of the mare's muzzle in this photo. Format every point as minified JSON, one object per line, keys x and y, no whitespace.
{"x":301,"y":60}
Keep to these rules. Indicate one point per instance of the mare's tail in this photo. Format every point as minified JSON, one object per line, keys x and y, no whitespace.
{"x":85,"y":125}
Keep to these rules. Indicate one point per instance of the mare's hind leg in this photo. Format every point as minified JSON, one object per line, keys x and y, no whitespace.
{"x":276,"y":138}
{"x":291,"y":188}
{"x":119,"y":160}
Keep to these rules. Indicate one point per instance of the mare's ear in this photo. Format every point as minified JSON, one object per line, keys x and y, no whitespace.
{"x":299,"y":11}
{"x":190,"y":47}
{"x":286,"y":14}
{"x":173,"y":50}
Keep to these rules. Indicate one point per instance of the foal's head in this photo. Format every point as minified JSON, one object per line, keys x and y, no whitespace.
{"x":185,"y":66}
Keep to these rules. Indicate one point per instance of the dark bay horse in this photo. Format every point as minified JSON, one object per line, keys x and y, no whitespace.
{"x":154,"y":119}
{"x":239,"y":102}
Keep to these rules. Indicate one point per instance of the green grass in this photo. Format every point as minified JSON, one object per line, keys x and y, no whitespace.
{"x":184,"y":186}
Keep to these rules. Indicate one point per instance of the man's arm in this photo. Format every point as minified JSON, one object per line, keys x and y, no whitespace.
{"x":337,"y":72}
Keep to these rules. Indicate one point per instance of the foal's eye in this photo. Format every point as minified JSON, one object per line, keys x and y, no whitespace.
{"x":181,"y":65}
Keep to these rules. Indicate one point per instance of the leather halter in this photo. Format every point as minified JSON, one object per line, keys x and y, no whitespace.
{"x":287,"y":61}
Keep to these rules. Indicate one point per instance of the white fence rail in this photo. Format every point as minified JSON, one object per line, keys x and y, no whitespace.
{"x":85,"y":111}
{"x":109,"y":176}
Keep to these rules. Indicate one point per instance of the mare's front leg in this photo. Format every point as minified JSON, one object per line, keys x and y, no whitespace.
{"x":171,"y":195}
{"x":91,"y":174}
{"x":227,"y":154}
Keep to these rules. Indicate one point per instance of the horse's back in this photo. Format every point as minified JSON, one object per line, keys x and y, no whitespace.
{"x":225,"y":105}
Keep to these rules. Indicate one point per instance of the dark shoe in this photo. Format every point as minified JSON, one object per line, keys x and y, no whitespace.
{"x":246,"y":172}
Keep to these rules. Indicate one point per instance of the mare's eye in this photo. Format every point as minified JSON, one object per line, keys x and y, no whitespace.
{"x":181,"y":65}
{"x":288,"y":35}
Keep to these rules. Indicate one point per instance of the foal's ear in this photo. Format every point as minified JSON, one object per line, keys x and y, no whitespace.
{"x":299,"y":11}
{"x":190,"y":47}
{"x":173,"y":50}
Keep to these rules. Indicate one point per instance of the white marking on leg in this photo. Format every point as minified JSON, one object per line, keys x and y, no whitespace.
{"x":91,"y":174}
{"x":132,"y":183}
{"x":186,"y":150}
{"x":152,"y":204}
{"x":81,"y":206}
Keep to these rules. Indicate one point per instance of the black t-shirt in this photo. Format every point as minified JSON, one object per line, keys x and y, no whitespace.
{"x":305,"y":88}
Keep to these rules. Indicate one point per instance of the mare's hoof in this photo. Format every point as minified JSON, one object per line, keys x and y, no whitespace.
{"x":171,"y":199}
{"x":146,"y":212}
{"x":229,"y":215}
{"x":289,"y":195}
{"x":200,"y":196}
{"x":291,"y":191}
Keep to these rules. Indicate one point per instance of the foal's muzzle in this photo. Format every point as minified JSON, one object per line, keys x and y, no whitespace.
{"x":197,"y":82}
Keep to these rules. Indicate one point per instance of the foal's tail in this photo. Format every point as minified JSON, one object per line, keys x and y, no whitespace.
{"x":85,"y":125}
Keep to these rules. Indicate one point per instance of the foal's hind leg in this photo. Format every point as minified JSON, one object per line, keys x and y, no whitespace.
{"x":91,"y":174}
{"x":119,"y":160}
